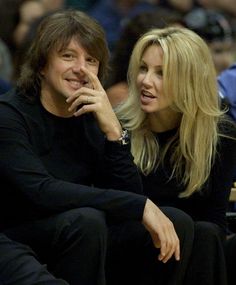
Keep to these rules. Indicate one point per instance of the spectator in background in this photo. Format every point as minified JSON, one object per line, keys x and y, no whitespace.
{"x":225,"y":6}
{"x":114,"y":14}
{"x":180,"y":6}
{"x":30,"y":14}
{"x":84,"y":5}
{"x":4,"y":86}
{"x":6,"y":69}
{"x":9,"y":11}
{"x":215,"y":29}
{"x":16,"y":16}
{"x":116,"y":85}
{"x":53,"y":5}
{"x":227,"y":89}
{"x":29,"y":11}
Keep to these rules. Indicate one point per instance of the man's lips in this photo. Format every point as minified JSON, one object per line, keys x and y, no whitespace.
{"x":77,"y":84}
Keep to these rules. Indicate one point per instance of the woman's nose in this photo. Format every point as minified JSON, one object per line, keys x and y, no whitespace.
{"x":147,"y":79}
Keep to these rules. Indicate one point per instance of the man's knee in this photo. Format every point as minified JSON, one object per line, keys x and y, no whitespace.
{"x":87,"y":221}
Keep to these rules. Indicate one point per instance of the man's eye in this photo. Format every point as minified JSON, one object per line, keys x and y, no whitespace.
{"x":92,"y":60}
{"x":67,"y":55}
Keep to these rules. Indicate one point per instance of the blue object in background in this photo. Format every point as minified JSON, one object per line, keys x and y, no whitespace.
{"x":227,"y":89}
{"x":4,"y":86}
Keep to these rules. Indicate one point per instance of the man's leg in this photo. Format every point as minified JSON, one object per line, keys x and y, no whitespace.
{"x":18,"y":266}
{"x":72,"y":244}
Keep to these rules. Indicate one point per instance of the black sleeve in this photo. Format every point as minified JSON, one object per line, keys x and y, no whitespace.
{"x":21,"y":166}
{"x":119,"y":170}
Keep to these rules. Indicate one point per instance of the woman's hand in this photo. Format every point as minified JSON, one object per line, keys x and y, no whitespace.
{"x":162,"y":232}
{"x":95,"y":100}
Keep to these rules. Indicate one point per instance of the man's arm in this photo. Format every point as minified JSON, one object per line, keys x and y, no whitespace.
{"x":22,"y":169}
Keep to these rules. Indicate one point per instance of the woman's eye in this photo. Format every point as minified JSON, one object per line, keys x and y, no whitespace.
{"x":142,"y":68}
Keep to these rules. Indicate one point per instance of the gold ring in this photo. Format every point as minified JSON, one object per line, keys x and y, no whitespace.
{"x":87,"y":100}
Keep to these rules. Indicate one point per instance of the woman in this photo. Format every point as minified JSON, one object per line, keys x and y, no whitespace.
{"x":182,"y":143}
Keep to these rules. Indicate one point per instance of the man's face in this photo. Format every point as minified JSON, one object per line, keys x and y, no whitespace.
{"x":62,"y":76}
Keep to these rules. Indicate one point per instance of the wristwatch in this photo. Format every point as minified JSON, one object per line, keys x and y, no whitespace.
{"x":124,"y":139}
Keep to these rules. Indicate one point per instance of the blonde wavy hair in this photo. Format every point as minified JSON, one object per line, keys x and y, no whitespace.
{"x":189,"y":77}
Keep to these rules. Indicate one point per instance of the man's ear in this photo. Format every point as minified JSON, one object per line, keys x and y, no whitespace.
{"x":42,"y":72}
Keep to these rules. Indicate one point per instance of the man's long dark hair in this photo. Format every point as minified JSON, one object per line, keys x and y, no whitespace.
{"x":55,"y":32}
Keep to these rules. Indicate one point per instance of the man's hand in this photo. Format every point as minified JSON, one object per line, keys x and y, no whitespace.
{"x":95,"y":100}
{"x":162,"y":232}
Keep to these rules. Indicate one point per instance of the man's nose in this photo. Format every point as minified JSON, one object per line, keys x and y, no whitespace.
{"x":78,"y":64}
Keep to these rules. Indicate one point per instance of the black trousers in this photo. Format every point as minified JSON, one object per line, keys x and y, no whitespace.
{"x":80,"y":245}
{"x":230,"y":253}
{"x":132,"y":258}
{"x":72,"y":244}
{"x":18,"y":266}
{"x":207,"y":264}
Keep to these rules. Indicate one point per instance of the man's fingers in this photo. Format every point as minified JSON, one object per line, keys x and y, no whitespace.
{"x":177,"y":252}
{"x":173,"y":248}
{"x":162,"y":231}
{"x":169,"y":246}
{"x":92,"y":78}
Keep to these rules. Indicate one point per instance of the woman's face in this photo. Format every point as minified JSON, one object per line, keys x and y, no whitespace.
{"x":150,"y":81}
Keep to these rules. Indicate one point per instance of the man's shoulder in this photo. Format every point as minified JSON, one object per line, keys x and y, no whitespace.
{"x":14,"y":102}
{"x":12,"y":97}
{"x":9,"y":99}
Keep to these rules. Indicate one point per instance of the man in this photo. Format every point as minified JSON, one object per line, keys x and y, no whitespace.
{"x":63,"y":154}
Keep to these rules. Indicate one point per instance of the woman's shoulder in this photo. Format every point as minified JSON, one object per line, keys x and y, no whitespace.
{"x":227,"y":136}
{"x":227,"y":127}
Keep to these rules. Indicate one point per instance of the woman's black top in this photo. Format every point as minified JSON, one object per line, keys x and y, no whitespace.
{"x":209,"y":204}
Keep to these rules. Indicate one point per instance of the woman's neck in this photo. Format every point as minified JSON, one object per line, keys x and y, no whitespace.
{"x":161,"y":122}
